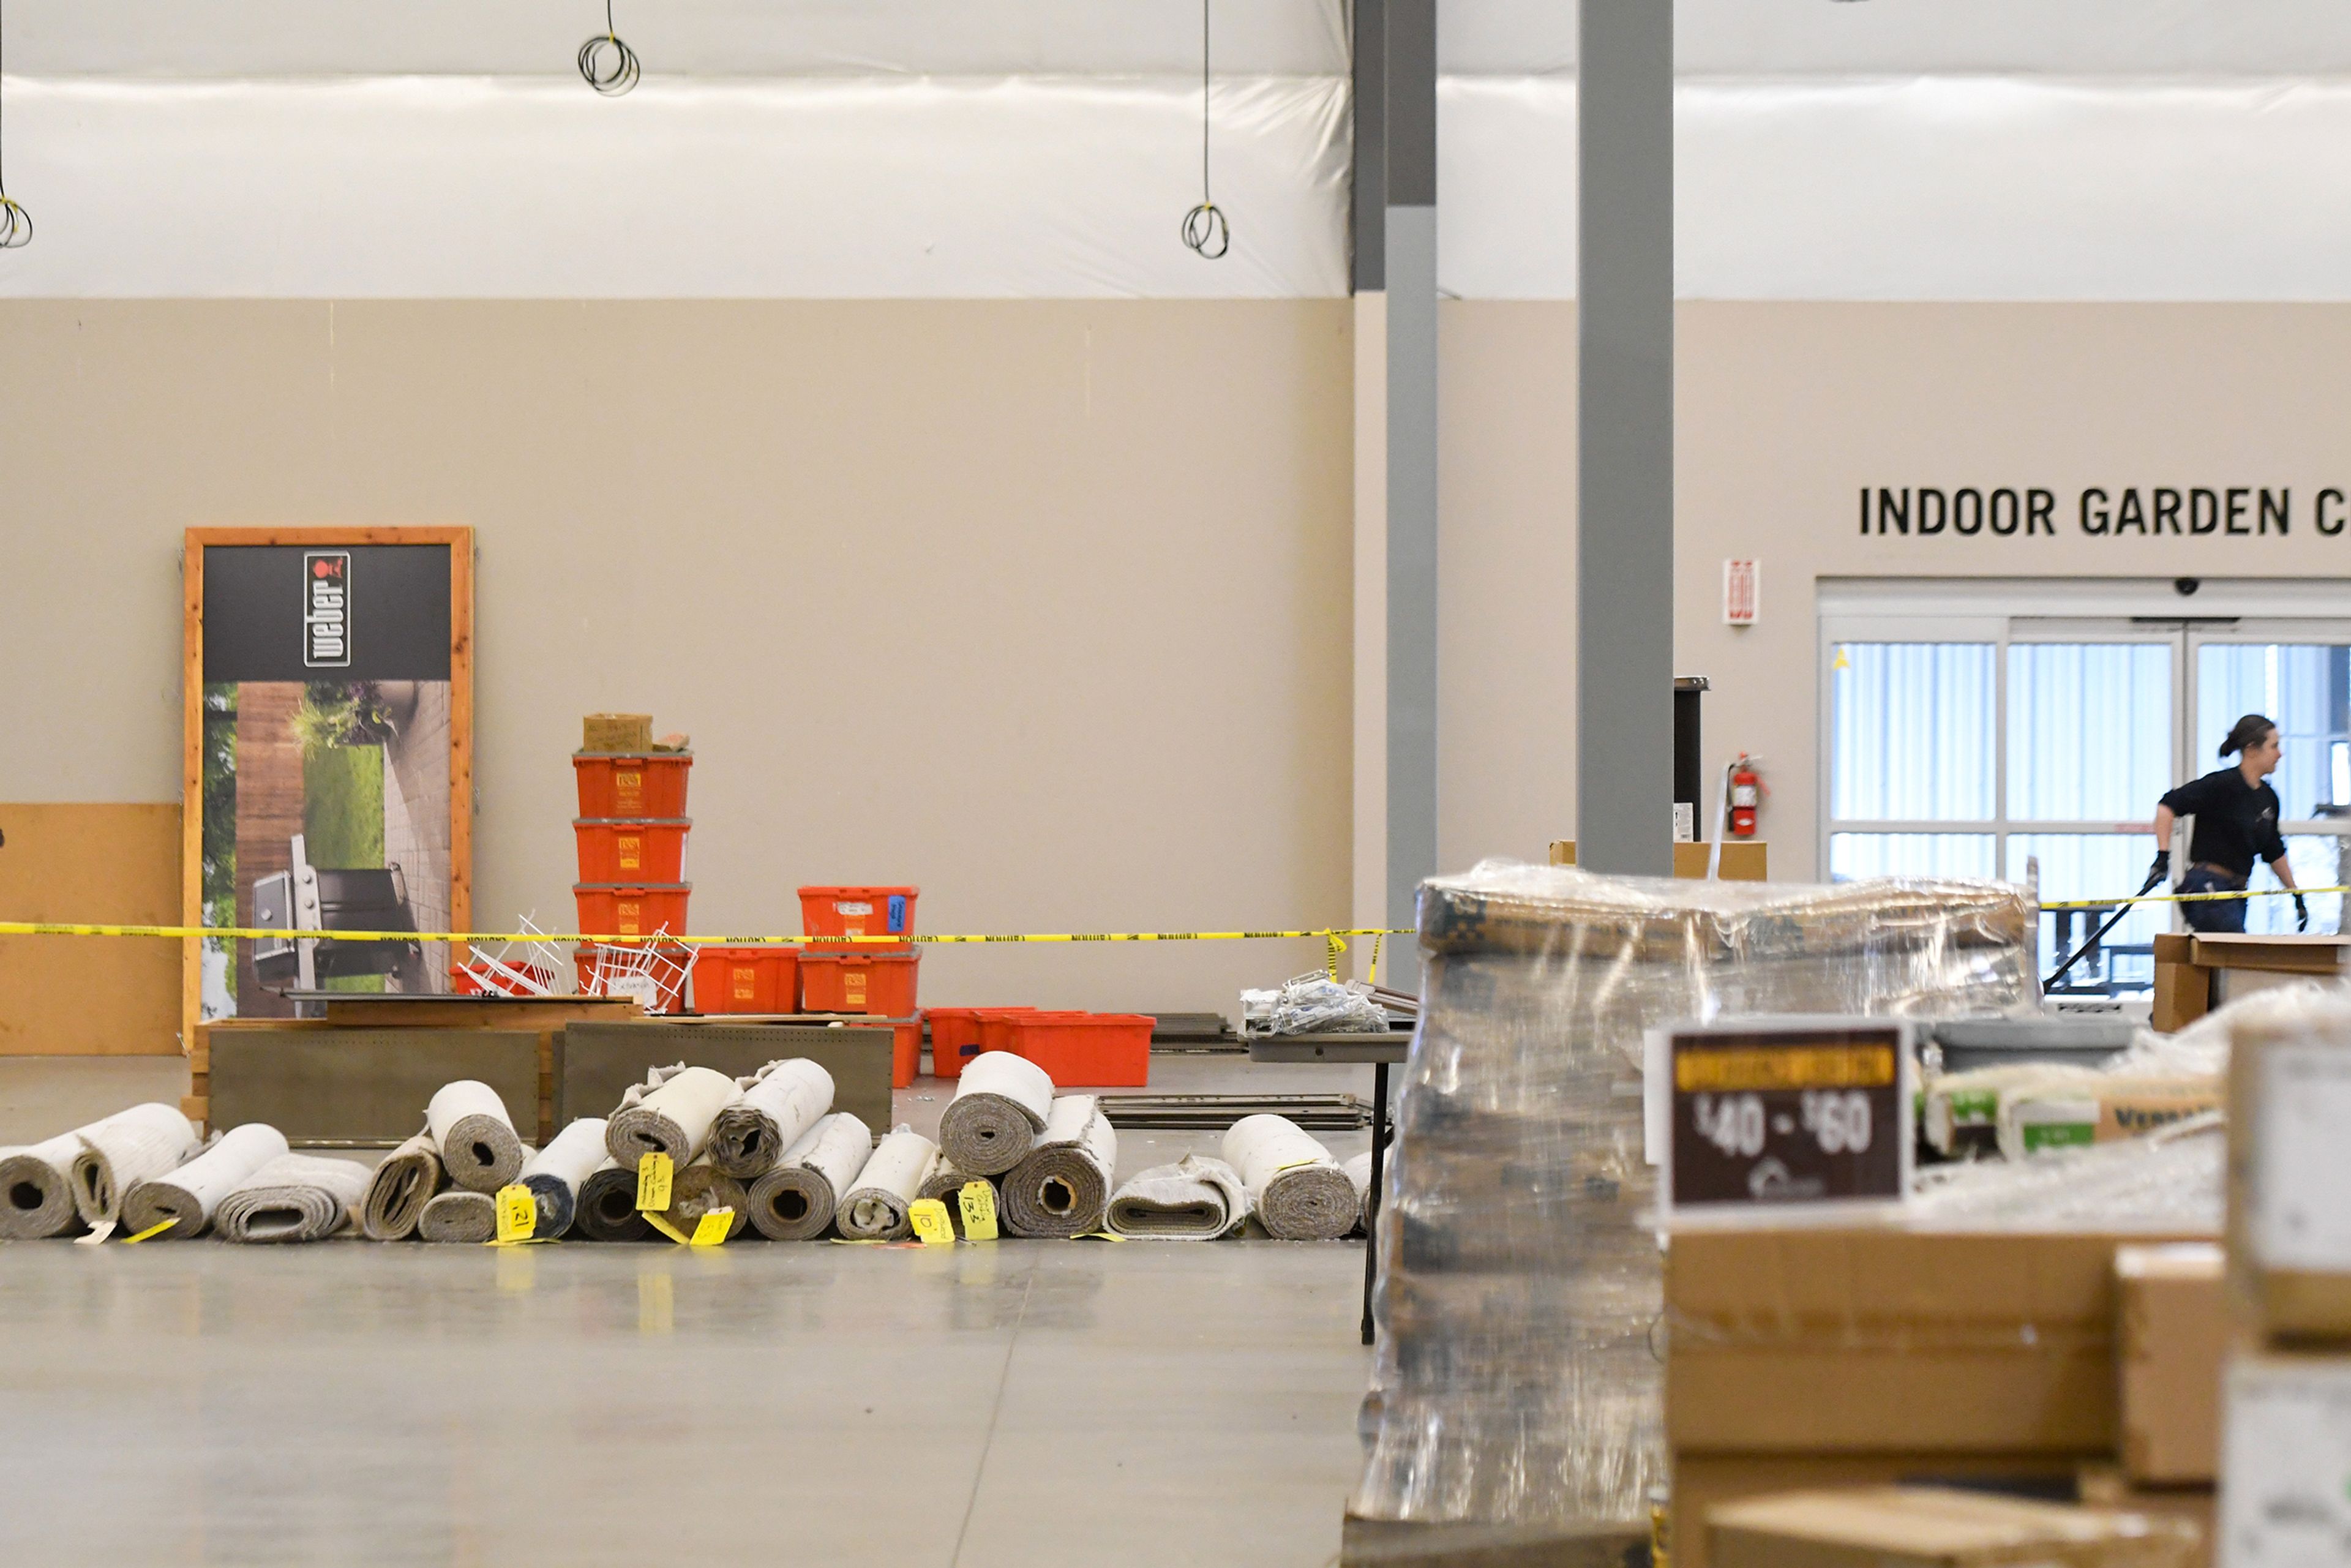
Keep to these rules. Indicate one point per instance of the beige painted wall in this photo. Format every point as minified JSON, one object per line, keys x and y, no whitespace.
{"x":1044,"y":606}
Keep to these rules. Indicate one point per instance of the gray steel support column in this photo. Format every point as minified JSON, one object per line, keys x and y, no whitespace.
{"x":1408,"y":52}
{"x":1625,"y":438}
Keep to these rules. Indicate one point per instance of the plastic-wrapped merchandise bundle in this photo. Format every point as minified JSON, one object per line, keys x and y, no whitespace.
{"x":1518,"y":1378}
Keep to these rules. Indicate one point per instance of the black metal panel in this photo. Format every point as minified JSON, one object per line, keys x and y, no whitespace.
{"x":363,"y":1086}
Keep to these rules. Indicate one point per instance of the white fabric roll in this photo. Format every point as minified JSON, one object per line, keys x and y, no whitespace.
{"x":1195,"y":1199}
{"x":36,"y":1192}
{"x":554,"y":1173}
{"x":479,"y":1146}
{"x":1062,"y":1187}
{"x":796,"y":1199}
{"x":1298,"y":1190}
{"x":294,"y":1197}
{"x":190,"y":1194}
{"x":781,"y":1102}
{"x":400,"y":1189}
{"x":670,"y":1112}
{"x":875,"y":1209}
{"x":1359,"y":1172}
{"x":999,"y":1107}
{"x":125,"y":1149}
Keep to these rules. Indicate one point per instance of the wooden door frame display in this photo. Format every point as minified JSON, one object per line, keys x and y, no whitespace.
{"x":460,"y":544}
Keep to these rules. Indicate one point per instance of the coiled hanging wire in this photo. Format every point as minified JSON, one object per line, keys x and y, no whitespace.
{"x":15,"y":223}
{"x":609,"y":65}
{"x":1205,"y":229}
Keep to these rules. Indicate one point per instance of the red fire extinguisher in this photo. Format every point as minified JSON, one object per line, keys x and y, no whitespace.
{"x":1746,"y":795}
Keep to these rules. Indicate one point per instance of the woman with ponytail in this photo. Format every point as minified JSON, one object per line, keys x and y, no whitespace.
{"x":2236,"y":814}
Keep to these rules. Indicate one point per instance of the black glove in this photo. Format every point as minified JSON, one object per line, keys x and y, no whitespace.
{"x":2300,"y":914}
{"x":2161,"y":868}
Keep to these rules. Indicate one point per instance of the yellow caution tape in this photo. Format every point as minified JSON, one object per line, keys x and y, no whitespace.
{"x":193,"y":933}
{"x":2184,"y":897}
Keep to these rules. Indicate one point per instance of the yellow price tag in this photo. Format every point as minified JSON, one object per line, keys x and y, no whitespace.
{"x":517,"y":1213}
{"x":1099,"y":1235}
{"x":931,"y":1222}
{"x":665,"y":1227}
{"x":653,"y":1183}
{"x":156,"y":1229}
{"x":713,"y":1227}
{"x":977,"y":1201}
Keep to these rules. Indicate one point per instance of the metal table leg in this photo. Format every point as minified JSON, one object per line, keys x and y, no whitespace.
{"x":1372,"y":1209}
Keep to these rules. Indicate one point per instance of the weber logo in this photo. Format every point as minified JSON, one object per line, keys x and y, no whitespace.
{"x":326,"y":609}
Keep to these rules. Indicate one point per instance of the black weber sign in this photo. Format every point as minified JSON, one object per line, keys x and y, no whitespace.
{"x":326,"y":609}
{"x":1769,"y":1113}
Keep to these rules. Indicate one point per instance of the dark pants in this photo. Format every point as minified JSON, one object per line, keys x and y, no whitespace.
{"x":2214,"y":914}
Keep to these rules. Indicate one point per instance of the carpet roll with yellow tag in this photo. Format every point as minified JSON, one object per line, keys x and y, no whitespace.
{"x":187,"y":1197}
{"x":702,"y":1187}
{"x":459,"y":1215}
{"x":554,"y":1173}
{"x":670,"y":1112}
{"x":1062,"y":1187}
{"x":1296,"y":1189}
{"x":874,"y":1208}
{"x":605,"y":1207}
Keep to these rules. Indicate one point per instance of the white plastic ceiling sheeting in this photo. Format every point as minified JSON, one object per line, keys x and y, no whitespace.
{"x":453,"y":187}
{"x":675,"y":38}
{"x":1932,"y":189}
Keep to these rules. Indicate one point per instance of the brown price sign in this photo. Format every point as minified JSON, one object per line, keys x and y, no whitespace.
{"x":1773,"y":1113}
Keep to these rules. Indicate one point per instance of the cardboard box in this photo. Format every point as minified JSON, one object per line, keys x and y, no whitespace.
{"x":2289,"y":1168}
{"x":2105,"y":1486}
{"x":1902,"y":1527}
{"x":2052,"y":1116}
{"x":1853,"y":1339}
{"x":2285,"y":1461}
{"x":616,"y":732}
{"x":1700,"y":1481}
{"x":2183,"y":991}
{"x":1743,"y":860}
{"x":2173,"y":1339}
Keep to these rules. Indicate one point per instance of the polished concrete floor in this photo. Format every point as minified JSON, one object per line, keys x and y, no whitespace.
{"x":1014,"y":1403}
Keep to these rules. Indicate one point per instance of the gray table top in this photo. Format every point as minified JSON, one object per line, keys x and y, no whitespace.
{"x":1330,"y":1047}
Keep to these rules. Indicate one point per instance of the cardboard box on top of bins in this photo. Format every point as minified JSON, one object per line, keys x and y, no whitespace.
{"x":617,"y":732}
{"x":1904,"y":1527}
{"x":1855,"y":1339}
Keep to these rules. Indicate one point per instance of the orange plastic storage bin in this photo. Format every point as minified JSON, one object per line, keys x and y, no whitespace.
{"x":1088,"y":1050}
{"x":852,"y":980}
{"x":858,"y":910}
{"x":630,"y":909}
{"x":748,"y":979}
{"x":632,"y":783}
{"x":955,"y":1037}
{"x":632,"y":849}
{"x":905,"y":1053}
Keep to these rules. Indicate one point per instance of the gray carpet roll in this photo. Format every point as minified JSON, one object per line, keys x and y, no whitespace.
{"x":1195,"y":1199}
{"x":36,"y":1195}
{"x":399,"y":1190}
{"x":479,"y":1146}
{"x":189,"y":1196}
{"x":874,"y":1208}
{"x":1062,"y":1187}
{"x":701,"y":1187}
{"x":999,"y":1107}
{"x":796,"y":1199}
{"x":459,"y":1215}
{"x":781,"y":1102}
{"x":294,"y":1197}
{"x":606,"y":1206}
{"x":670,"y":1112}
{"x":125,"y":1149}
{"x":1359,"y":1177}
{"x":1298,"y":1190}
{"x":946,"y":1184}
{"x":554,"y":1173}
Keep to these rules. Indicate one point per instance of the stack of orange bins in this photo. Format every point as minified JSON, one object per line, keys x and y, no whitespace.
{"x":1077,"y":1050}
{"x":878,"y":979}
{"x":630,"y":832}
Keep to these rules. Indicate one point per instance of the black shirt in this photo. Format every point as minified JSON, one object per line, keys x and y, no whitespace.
{"x":2235,"y":821}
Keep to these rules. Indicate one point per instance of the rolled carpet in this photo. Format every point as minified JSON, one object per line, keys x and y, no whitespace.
{"x":1062,"y":1188}
{"x":125,"y":1149}
{"x":999,"y":1107}
{"x":479,"y":1146}
{"x":294,"y":1197}
{"x":554,"y":1173}
{"x":874,"y":1206}
{"x":188,"y":1195}
{"x":946,"y":1184}
{"x":606,"y":1206}
{"x":781,"y":1102}
{"x":795,"y":1201}
{"x":1298,"y":1190}
{"x":701,"y":1187}
{"x":670,"y":1112}
{"x":1196,"y":1199}
{"x":1359,"y":1177}
{"x":400,"y":1189}
{"x":459,"y":1215}
{"x":36,"y":1195}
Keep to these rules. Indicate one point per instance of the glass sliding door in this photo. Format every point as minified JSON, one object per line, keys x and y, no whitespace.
{"x":2301,"y":677}
{"x":1913,"y":784}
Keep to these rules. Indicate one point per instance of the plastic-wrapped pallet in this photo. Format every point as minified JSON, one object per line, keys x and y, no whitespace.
{"x":1516,"y":1380}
